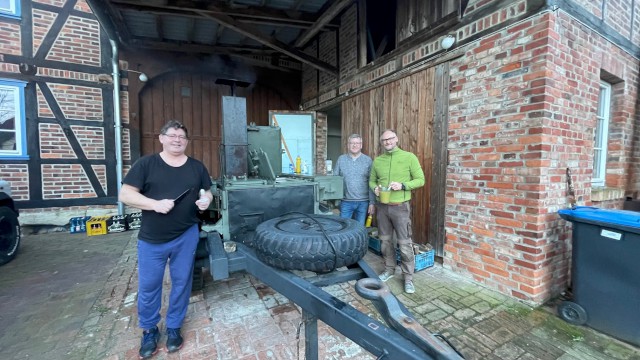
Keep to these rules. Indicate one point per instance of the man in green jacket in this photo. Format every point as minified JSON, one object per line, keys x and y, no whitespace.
{"x":399,"y":172}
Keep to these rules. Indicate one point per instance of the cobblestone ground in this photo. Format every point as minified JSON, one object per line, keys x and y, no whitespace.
{"x":242,"y":318}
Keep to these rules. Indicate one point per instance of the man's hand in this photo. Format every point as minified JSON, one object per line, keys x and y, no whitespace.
{"x":376,"y":190}
{"x":204,"y":201}
{"x":395,"y":186}
{"x":372,"y":209}
{"x":163,"y":206}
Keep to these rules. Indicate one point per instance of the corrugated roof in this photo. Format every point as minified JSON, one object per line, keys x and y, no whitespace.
{"x":229,"y":26}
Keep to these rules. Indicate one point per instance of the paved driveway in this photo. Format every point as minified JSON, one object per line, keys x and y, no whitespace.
{"x":73,"y":297}
{"x":48,"y":290}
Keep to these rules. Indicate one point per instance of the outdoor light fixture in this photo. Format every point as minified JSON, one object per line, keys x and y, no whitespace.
{"x":448,"y":41}
{"x":142,"y":76}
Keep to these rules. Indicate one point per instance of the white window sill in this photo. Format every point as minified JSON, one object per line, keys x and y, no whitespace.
{"x":604,"y":193}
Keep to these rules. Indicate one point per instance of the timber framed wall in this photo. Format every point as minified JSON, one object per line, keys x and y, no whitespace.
{"x":58,"y":49}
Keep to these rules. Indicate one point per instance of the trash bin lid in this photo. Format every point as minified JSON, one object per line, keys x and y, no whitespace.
{"x":594,"y":215}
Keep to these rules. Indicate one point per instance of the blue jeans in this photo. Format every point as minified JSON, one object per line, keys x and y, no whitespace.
{"x":354,"y":210}
{"x":152,"y":259}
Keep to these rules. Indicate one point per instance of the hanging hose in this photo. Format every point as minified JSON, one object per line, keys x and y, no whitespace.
{"x":570,"y":191}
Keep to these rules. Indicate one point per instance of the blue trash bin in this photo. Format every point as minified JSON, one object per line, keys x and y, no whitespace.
{"x":605,"y":271}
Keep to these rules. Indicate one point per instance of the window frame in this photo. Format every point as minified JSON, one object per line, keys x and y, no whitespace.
{"x":20,"y":121}
{"x":14,"y":10}
{"x":601,"y":135}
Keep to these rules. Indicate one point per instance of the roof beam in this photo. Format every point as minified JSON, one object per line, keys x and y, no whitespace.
{"x":269,"y":16}
{"x":322,"y":21}
{"x":180,"y":46}
{"x":272,"y":43}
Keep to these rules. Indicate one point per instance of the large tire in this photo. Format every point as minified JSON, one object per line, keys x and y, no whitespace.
{"x":319,"y":243}
{"x":9,"y":234}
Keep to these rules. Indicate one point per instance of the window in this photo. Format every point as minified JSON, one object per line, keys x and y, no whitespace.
{"x":601,"y":135}
{"x":10,"y":8}
{"x":12,"y":121}
{"x":381,"y":28}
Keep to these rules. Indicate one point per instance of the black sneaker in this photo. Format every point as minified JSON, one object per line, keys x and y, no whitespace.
{"x":174,"y":340}
{"x":149,"y":343}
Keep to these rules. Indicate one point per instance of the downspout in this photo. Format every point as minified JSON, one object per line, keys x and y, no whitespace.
{"x":117,"y":122}
{"x":102,"y":15}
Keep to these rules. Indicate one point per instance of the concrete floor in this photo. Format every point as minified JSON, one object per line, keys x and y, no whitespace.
{"x":69,"y":296}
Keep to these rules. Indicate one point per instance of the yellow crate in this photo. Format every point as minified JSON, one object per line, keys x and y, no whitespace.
{"x":97,"y":225}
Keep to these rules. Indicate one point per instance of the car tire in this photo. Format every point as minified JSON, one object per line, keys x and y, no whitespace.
{"x":9,"y":234}
{"x":319,"y":243}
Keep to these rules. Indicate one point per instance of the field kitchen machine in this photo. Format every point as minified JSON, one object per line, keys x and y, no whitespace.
{"x":251,"y":193}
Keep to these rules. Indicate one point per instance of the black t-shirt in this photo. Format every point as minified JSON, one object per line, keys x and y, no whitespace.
{"x":158,"y":180}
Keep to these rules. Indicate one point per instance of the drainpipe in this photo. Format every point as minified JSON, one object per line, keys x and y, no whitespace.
{"x":117,"y":122}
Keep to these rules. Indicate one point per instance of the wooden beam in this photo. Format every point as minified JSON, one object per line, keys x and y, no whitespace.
{"x":272,"y":43}
{"x":323,"y":20}
{"x":140,"y":43}
{"x":267,"y":15}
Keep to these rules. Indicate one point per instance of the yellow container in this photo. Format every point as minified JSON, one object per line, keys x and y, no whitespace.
{"x":298,"y":165}
{"x":97,"y":225}
{"x":385,"y":195}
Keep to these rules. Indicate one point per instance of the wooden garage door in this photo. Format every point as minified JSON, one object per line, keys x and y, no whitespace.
{"x":195,"y":100}
{"x":415,"y":107}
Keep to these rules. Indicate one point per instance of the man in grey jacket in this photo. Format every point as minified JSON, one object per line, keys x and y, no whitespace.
{"x":355,"y":167}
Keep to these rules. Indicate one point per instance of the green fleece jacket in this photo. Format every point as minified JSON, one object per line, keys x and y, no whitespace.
{"x":397,"y":165}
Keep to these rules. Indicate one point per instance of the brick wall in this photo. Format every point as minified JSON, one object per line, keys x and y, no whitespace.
{"x":310,"y":76}
{"x":18,"y":175}
{"x":348,"y":43}
{"x":78,"y":42}
{"x":10,"y":39}
{"x":522,"y":110}
{"x":327,"y":53}
{"x":79,"y":96}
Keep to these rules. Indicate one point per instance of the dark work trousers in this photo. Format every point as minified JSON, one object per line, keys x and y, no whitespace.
{"x":152,"y":260}
{"x":390,"y":218}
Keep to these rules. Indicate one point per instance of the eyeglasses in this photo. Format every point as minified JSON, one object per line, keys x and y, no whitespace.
{"x":388,"y":139}
{"x":355,"y":143}
{"x":175,"y":136}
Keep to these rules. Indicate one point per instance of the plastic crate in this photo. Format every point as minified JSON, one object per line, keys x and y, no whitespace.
{"x":375,"y":245}
{"x":97,"y":225}
{"x":134,"y":220}
{"x":423,"y":259}
{"x":78,"y":224}
{"x":117,"y":223}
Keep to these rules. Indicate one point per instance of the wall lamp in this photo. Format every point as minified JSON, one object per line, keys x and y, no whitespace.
{"x":448,"y":41}
{"x":142,"y":76}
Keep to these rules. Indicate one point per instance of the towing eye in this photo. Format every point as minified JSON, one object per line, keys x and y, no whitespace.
{"x":406,"y":325}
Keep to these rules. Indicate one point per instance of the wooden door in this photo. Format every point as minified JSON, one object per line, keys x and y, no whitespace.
{"x":411,"y":106}
{"x":195,"y":100}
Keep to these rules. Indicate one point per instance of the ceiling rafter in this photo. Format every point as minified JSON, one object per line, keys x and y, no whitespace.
{"x":272,"y":43}
{"x":256,"y":15}
{"x":197,"y":48}
{"x":324,"y":19}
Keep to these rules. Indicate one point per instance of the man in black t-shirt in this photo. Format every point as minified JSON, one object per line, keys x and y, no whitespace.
{"x":169,"y":187}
